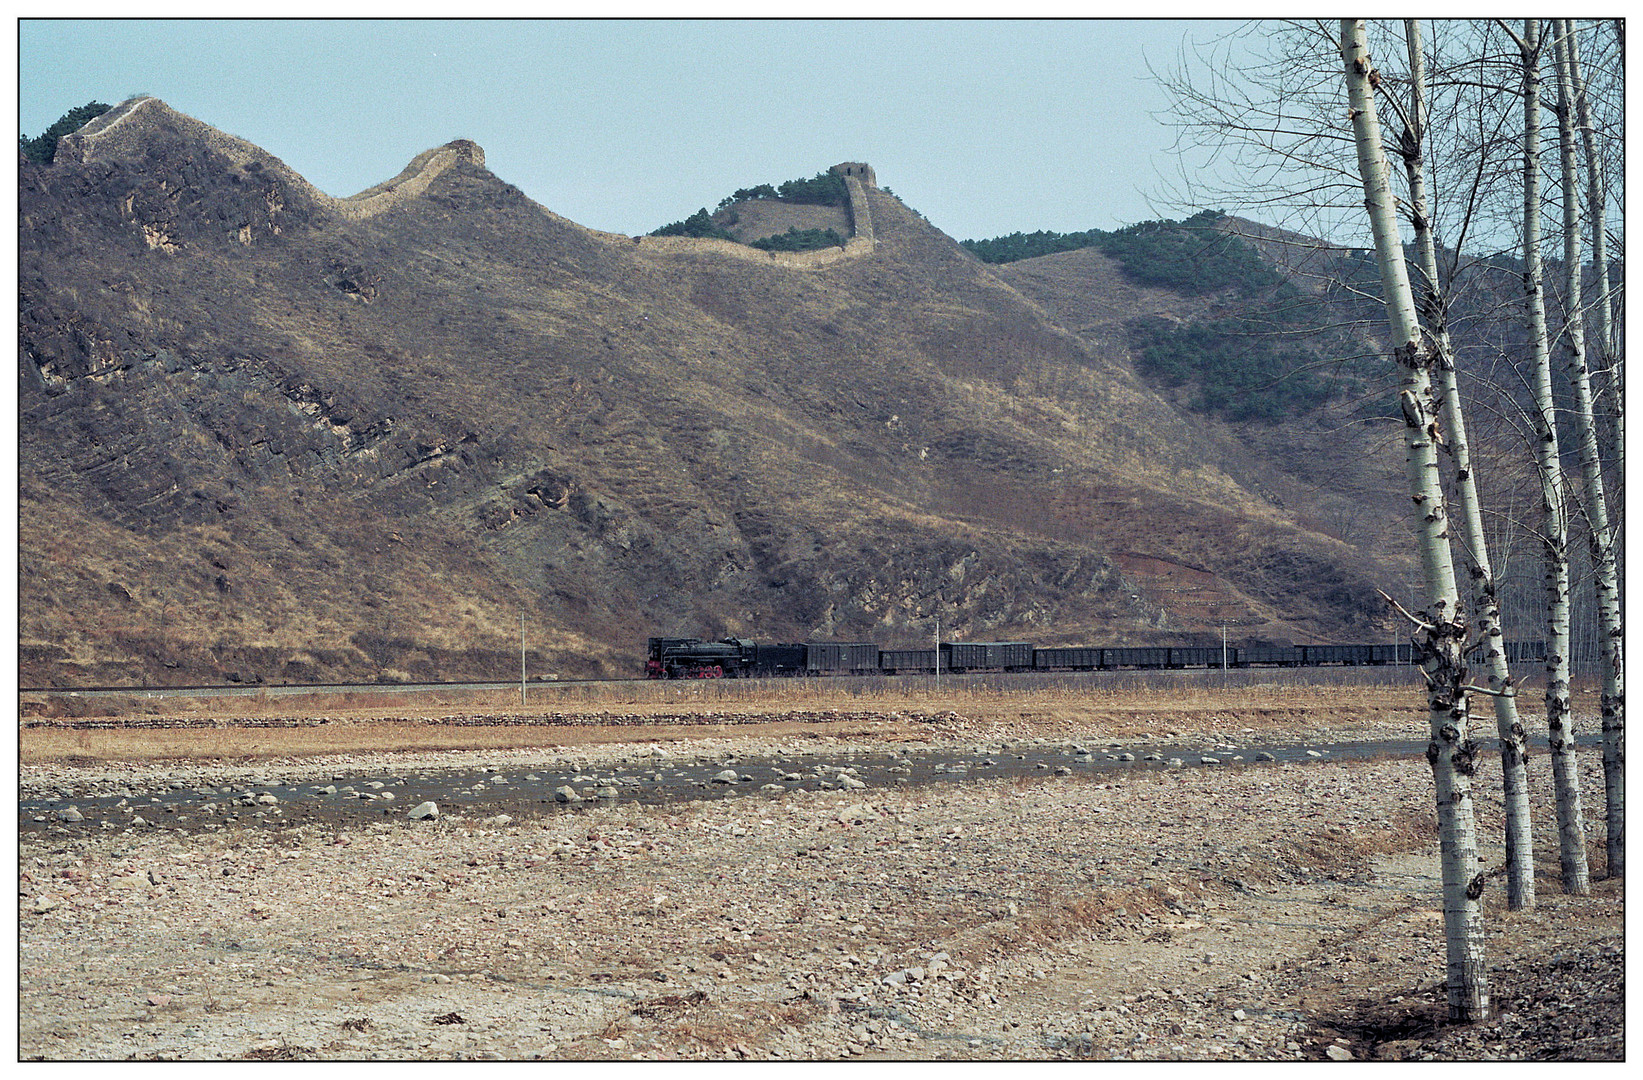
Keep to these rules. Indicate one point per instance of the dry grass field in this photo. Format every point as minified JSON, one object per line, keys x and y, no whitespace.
{"x":1240,"y":912}
{"x":1134,"y":705}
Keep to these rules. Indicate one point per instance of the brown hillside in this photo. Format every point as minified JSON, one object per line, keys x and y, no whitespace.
{"x":270,"y":435}
{"x":1338,"y":474}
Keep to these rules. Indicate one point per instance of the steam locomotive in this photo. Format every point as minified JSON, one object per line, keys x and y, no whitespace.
{"x":740,"y":658}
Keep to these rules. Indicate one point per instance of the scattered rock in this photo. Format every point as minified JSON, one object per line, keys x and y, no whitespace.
{"x":1338,"y":1053}
{"x":425,"y":811}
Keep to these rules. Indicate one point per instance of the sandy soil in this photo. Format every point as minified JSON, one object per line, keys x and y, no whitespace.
{"x":1268,"y":912}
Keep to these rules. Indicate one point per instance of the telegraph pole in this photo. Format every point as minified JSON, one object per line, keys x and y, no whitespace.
{"x":521,"y":659}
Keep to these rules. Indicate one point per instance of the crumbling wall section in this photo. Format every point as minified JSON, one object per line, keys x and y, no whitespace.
{"x":858,"y":176}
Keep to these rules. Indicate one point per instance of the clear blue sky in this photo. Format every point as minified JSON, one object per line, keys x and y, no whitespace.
{"x":984,"y":127}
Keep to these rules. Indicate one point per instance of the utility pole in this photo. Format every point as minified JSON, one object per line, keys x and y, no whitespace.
{"x":521,"y":659}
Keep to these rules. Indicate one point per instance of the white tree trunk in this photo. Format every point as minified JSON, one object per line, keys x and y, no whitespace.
{"x":1433,"y":307}
{"x":1596,"y":508}
{"x":1608,"y":381}
{"x":1451,"y":751}
{"x":1571,"y":830}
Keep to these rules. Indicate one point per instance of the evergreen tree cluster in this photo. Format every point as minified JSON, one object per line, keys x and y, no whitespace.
{"x":43,"y":147}
{"x":1191,"y":256}
{"x":698,"y":224}
{"x":1018,"y":246}
{"x":796,"y":239}
{"x":1257,"y":359}
{"x":823,"y":189}
{"x":1238,"y":367}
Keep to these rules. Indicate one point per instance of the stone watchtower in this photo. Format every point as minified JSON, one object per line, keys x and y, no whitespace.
{"x":860,"y":170}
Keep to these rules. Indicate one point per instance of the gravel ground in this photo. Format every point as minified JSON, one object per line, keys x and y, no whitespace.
{"x":1265,"y":912}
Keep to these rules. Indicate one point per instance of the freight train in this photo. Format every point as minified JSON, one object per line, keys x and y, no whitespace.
{"x":739,"y":658}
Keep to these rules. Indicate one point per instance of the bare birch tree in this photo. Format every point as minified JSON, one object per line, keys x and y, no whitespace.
{"x":1432,"y":306}
{"x":1450,"y":751}
{"x":1608,"y":376}
{"x":1594,"y":505}
{"x":1554,"y":528}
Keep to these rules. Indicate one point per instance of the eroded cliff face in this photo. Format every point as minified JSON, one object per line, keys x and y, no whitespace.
{"x":266,"y":434}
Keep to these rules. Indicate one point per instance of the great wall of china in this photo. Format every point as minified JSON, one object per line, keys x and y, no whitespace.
{"x":114,"y":136}
{"x":858,"y":176}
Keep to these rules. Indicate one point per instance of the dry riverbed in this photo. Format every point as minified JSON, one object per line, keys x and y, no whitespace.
{"x":1234,"y":911}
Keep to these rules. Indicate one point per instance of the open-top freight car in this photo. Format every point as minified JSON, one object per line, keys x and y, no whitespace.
{"x":1069,"y":658}
{"x":841,"y":658}
{"x":908,"y":661}
{"x":959,"y":657}
{"x":1143,"y":657}
{"x":1268,"y":656}
{"x":1344,"y":655}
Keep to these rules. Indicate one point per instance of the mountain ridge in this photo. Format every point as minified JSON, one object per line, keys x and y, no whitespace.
{"x":311,"y":444}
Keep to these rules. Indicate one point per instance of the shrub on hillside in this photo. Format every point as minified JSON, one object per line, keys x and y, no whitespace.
{"x":1240,"y":372}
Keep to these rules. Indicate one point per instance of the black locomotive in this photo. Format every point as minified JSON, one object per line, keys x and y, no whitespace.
{"x":739,"y":658}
